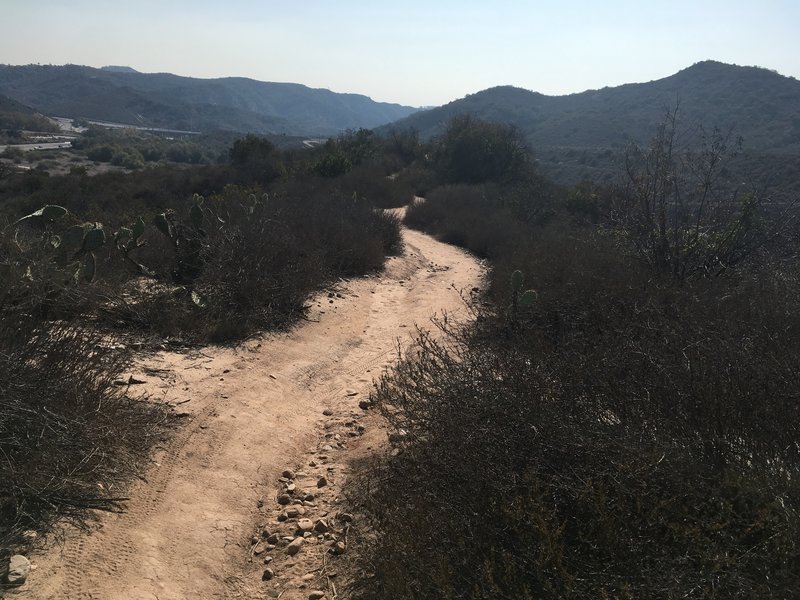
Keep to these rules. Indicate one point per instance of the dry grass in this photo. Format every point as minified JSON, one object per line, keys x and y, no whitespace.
{"x":69,"y":438}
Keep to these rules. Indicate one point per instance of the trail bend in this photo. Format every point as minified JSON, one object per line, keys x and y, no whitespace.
{"x":249,"y":413}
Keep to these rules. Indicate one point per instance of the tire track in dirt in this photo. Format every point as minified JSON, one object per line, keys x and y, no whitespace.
{"x":250,"y":412}
{"x":93,"y":549}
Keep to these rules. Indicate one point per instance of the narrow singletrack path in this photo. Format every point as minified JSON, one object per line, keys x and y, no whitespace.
{"x":249,"y":413}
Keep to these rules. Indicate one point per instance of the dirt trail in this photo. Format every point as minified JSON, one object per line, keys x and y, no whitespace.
{"x":250,"y":413}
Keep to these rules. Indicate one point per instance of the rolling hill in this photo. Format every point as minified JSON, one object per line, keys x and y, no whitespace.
{"x":9,"y":105}
{"x":123,"y":95}
{"x":576,"y":136}
{"x":15,"y":116}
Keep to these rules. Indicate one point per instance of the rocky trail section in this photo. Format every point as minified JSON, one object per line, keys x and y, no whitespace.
{"x":242,"y":502}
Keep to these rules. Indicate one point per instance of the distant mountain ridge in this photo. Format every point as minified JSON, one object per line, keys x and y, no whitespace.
{"x":123,"y":95}
{"x":119,"y":69}
{"x":577,"y":130}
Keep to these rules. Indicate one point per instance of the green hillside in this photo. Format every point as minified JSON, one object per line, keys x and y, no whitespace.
{"x":15,"y":116}
{"x":579,"y":135}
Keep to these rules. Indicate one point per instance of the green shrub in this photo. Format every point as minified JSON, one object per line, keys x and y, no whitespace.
{"x":252,"y":261}
{"x":371,"y":184}
{"x":130,"y":158}
{"x":475,"y":217}
{"x":333,"y":164}
{"x":100,"y":153}
{"x":475,"y":151}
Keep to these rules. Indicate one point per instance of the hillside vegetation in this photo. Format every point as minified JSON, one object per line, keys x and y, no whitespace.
{"x":622,"y":420}
{"x":184,"y":103}
{"x":16,"y":116}
{"x":575,"y":136}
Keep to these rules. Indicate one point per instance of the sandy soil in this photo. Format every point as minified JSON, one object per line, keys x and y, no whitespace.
{"x":251,"y":412}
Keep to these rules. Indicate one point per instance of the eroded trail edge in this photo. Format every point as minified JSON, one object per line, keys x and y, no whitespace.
{"x":197,"y":522}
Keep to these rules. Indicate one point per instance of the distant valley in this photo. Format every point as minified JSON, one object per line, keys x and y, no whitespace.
{"x":163,"y":100}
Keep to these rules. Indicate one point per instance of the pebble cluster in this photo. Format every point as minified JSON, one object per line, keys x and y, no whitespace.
{"x":305,"y":527}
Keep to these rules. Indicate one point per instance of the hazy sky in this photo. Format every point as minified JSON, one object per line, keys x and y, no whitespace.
{"x":409,"y":51}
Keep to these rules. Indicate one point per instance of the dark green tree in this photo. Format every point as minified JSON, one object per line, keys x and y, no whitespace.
{"x":254,"y":156}
{"x":476,"y":151}
{"x":251,"y":150}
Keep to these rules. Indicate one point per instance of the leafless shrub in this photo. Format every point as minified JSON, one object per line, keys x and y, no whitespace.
{"x":69,"y":438}
{"x":681,"y":214}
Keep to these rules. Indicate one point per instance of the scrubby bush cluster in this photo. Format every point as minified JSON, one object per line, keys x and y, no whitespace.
{"x":69,"y":437}
{"x":629,"y":431}
{"x":357,"y":163}
{"x":213,"y":267}
{"x":252,"y":262}
{"x":197,"y":255}
{"x":376,"y":177}
{"x":134,"y":149}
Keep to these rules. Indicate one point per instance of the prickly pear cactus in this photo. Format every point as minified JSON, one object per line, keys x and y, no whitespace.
{"x":161,"y":221}
{"x":94,"y":238}
{"x":89,"y":267}
{"x":48,"y":213}
{"x":196,"y":216}
{"x":519,"y":299}
{"x":517,"y":279}
{"x":138,"y":228}
{"x":527,"y":298}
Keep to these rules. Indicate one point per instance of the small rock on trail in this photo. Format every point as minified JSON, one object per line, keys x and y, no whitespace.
{"x":295,"y":546}
{"x":18,"y":569}
{"x":338,"y":548}
{"x":305,"y":525}
{"x":321,"y":526}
